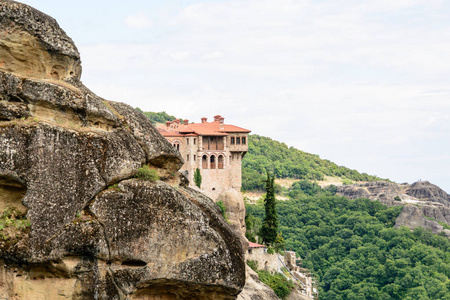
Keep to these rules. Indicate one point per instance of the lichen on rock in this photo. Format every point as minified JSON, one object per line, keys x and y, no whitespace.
{"x":86,"y":229}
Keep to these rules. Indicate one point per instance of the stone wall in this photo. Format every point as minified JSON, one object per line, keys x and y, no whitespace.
{"x":266,"y":261}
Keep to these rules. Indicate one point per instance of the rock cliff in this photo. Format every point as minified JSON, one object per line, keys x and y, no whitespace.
{"x":74,"y":222}
{"x":235,"y":209}
{"x":391,"y":193}
{"x":412,"y":217}
{"x":254,"y":289}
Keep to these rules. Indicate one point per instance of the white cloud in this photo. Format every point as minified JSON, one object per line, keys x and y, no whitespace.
{"x":138,"y":21}
{"x":213,"y":55}
{"x":360,"y":83}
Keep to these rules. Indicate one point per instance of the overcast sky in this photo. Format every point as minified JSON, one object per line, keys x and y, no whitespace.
{"x":365,"y":84}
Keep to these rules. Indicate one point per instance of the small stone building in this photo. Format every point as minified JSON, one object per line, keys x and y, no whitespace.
{"x":266,"y":261}
{"x":214,"y":147}
{"x":275,"y":262}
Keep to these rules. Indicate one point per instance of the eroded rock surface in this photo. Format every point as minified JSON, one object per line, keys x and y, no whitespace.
{"x":80,"y":226}
{"x":412,"y":217}
{"x":235,"y":207}
{"x":391,"y":193}
{"x":385,"y":192}
{"x":254,"y":289}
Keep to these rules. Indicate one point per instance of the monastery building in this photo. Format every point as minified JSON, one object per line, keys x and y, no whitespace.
{"x":215,"y":148}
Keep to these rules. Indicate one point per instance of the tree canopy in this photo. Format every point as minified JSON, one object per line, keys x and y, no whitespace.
{"x":355,"y":252}
{"x":157,"y":117}
{"x":269,"y":229}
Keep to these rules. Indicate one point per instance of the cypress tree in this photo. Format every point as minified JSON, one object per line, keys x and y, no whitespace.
{"x":197,"y":177}
{"x":269,"y":227}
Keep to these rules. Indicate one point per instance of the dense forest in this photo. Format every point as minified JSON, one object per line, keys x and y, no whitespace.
{"x":288,"y":162}
{"x":353,"y":249}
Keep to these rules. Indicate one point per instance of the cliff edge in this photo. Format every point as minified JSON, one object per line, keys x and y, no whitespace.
{"x":75,"y":223}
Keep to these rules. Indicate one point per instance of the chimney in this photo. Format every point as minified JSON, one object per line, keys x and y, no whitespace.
{"x":185,"y":121}
{"x":221,"y":123}
{"x":204,"y":119}
{"x":216,"y":118}
{"x":168,"y":124}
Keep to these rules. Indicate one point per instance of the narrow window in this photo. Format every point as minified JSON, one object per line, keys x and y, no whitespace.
{"x":212,"y":162}
{"x":187,"y":141}
{"x":195,"y":140}
{"x":238,"y":141}
{"x":243,"y":140}
{"x":205,"y":162}
{"x":195,"y":157}
{"x":232,"y":140}
{"x":178,"y":147}
{"x":220,"y":162}
{"x":188,"y":157}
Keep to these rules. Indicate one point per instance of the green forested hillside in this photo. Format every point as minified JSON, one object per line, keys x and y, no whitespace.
{"x":157,"y":117}
{"x":354,"y":250}
{"x":283,"y":161}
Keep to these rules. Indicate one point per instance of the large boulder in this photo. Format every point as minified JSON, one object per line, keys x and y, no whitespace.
{"x":235,"y":209}
{"x":254,"y":289}
{"x":75,"y":221}
{"x":412,"y":217}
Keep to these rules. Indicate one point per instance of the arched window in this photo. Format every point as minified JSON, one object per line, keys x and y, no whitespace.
{"x":220,"y":162}
{"x":212,"y":162}
{"x":205,"y":162}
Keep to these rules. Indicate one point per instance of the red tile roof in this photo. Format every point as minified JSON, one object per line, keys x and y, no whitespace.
{"x":255,"y":245}
{"x":215,"y":128}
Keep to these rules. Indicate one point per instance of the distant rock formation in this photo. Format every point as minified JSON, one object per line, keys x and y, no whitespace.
{"x":422,"y":200}
{"x":76,"y":223}
{"x":425,"y":191}
{"x":391,"y":193}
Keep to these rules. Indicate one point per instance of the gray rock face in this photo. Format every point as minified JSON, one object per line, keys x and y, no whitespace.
{"x":412,"y":217}
{"x":438,"y":213}
{"x":34,"y":45}
{"x":79,"y":225}
{"x":426,"y":191}
{"x":419,"y":192}
{"x":254,"y":289}
{"x":235,"y":209}
{"x":383,"y":191}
